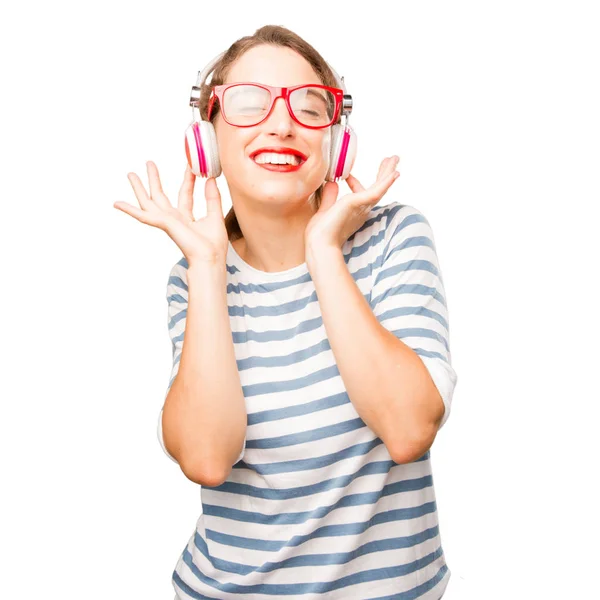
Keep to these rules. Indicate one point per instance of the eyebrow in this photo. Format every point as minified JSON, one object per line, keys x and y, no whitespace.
{"x":320,"y":95}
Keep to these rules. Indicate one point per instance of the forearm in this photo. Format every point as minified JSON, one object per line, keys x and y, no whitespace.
{"x":386,"y":381}
{"x":204,"y":418}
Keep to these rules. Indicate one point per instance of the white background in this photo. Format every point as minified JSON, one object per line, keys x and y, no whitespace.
{"x":494,"y":110}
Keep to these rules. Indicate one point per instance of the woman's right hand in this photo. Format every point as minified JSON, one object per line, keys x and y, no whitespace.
{"x":203,"y":240}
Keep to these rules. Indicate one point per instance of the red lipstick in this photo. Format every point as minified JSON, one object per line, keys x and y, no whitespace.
{"x":285,"y":168}
{"x":279,"y":150}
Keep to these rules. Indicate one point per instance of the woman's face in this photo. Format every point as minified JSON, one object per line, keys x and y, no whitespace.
{"x":277,"y":66}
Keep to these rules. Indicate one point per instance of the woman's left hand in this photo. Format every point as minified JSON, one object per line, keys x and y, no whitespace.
{"x":336,"y":221}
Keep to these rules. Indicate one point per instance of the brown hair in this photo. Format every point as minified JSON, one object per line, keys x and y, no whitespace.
{"x":276,"y":36}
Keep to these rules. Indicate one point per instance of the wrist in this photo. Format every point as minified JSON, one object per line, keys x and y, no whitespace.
{"x":319,"y":253}
{"x":207,"y":268}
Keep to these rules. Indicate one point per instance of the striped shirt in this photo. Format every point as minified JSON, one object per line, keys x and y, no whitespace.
{"x":315,"y":507}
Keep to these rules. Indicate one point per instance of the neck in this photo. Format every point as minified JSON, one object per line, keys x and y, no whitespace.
{"x":273,"y":238}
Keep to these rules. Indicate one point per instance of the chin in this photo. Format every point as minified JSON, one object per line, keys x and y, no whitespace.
{"x":295,"y":189}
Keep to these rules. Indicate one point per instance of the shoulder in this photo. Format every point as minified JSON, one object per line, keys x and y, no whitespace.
{"x":389,"y":220}
{"x":397,"y":212}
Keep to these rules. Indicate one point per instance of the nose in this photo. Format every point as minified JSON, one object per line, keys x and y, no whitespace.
{"x":280,"y":121}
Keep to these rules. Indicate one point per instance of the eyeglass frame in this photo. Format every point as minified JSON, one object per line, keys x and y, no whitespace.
{"x":276,"y":92}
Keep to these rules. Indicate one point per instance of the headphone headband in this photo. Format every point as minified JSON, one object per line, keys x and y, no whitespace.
{"x":201,"y":141}
{"x":202,"y":75}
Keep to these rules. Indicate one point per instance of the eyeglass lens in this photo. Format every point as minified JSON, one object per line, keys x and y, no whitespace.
{"x":248,"y":105}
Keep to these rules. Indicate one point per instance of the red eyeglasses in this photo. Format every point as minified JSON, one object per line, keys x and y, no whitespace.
{"x":248,"y":104}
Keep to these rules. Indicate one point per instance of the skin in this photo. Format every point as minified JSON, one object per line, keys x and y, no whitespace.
{"x":281,"y":230}
{"x":273,"y":209}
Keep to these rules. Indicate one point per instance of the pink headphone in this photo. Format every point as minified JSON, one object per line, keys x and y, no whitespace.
{"x":201,"y":141}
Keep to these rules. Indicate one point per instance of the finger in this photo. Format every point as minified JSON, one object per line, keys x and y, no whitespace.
{"x":329,"y":195}
{"x":380,"y":187}
{"x":387,"y":165}
{"x":144,"y":216}
{"x":156,"y":191}
{"x":185,"y":200}
{"x":386,"y":181}
{"x":354,"y":184}
{"x":140,"y":191}
{"x":374,"y":193}
{"x":381,"y":168}
{"x":213,"y":198}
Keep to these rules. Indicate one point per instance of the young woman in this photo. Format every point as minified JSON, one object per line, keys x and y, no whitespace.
{"x":311,"y":360}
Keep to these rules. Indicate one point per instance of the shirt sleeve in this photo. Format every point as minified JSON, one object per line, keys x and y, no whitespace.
{"x":177,"y":302}
{"x":408,"y":296}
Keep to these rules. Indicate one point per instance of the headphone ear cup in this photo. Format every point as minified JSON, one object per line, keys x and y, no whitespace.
{"x":201,"y":149}
{"x":343,"y":152}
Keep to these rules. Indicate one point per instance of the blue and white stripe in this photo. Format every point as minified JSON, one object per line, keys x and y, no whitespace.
{"x":315,"y":507}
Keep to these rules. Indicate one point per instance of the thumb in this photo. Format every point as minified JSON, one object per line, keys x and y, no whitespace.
{"x":213,"y":197}
{"x":329,"y":195}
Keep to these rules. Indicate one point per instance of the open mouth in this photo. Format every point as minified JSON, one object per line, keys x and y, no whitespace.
{"x":283,"y":163}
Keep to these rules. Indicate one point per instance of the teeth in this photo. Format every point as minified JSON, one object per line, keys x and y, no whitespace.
{"x":275,"y":158}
